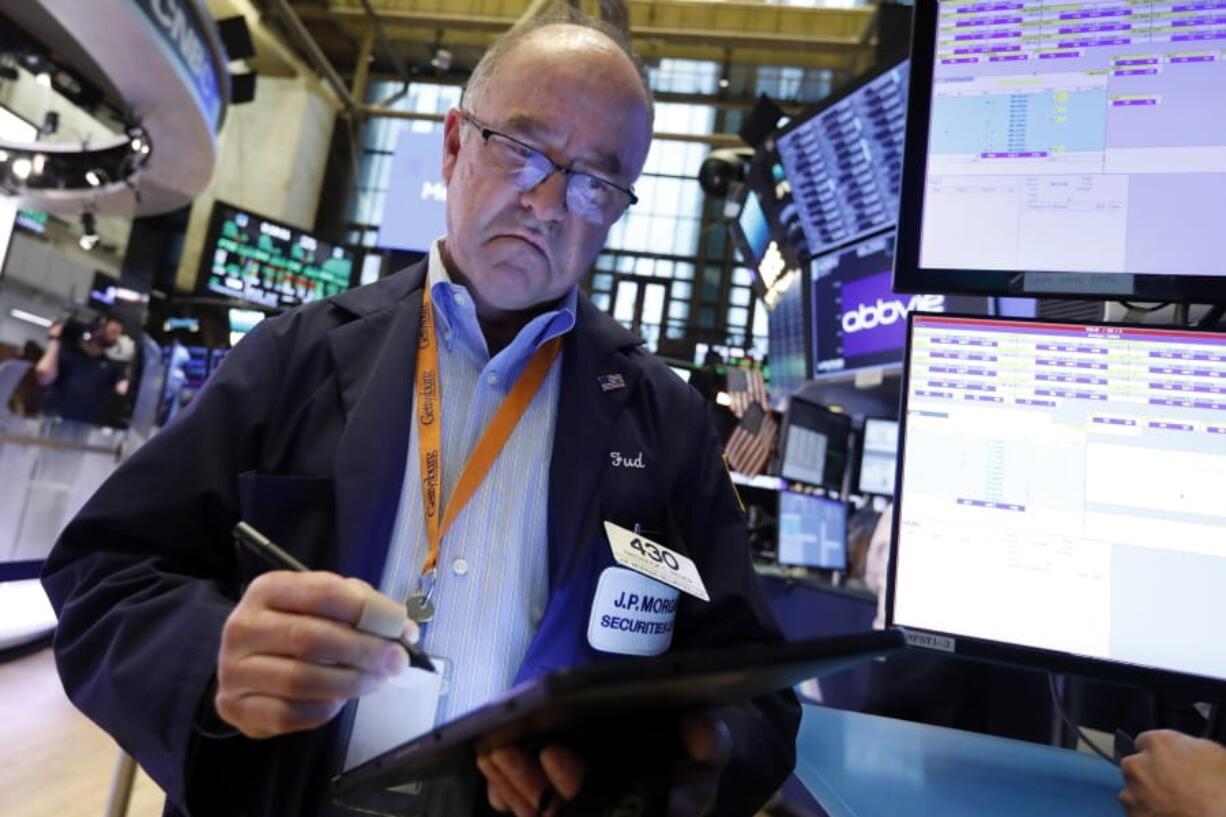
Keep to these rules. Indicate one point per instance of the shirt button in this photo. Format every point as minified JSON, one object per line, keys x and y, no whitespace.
{"x":492,"y":379}
{"x":459,"y":298}
{"x":459,"y":566}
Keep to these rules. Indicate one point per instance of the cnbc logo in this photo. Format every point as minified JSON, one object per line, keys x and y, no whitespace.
{"x":887,"y":312}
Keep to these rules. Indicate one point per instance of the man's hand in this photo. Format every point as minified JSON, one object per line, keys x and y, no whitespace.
{"x":517,"y":782}
{"x":1173,"y":775}
{"x":291,"y":655}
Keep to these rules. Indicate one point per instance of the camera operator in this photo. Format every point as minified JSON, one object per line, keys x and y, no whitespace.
{"x":81,"y":371}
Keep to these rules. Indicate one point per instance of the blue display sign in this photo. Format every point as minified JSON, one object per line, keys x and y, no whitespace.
{"x":178,"y":24}
{"x":416,"y":210}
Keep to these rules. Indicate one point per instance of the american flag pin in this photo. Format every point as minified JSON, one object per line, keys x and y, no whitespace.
{"x":611,"y":382}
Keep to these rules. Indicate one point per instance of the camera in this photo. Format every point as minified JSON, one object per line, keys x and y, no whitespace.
{"x":722,"y":169}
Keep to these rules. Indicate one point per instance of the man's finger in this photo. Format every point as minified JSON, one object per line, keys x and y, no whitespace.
{"x":318,"y":593}
{"x":320,"y":640}
{"x":296,"y":680}
{"x":503,"y":791}
{"x":263,"y":716}
{"x":565,"y":770}
{"x":523,"y":772}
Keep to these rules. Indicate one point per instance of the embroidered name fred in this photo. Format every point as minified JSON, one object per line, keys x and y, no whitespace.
{"x":632,"y":614}
{"x":625,"y":462}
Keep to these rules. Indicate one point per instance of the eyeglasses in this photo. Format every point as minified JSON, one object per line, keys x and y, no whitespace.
{"x":593,"y":199}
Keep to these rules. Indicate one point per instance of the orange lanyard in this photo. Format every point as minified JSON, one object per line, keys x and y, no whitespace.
{"x":430,"y":444}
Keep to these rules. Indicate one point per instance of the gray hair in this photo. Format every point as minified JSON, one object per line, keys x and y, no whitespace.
{"x":559,"y":15}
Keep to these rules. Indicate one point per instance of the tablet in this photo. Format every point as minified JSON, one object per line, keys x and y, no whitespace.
{"x":615,"y":696}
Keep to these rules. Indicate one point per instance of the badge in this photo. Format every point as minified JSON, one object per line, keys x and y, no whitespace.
{"x":631,"y":614}
{"x":653,"y":559}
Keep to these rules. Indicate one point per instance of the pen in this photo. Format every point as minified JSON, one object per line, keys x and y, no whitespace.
{"x":266,"y":549}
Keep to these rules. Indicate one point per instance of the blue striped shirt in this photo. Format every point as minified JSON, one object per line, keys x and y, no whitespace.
{"x":493,"y":574}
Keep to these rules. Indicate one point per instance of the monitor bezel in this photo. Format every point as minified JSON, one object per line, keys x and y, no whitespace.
{"x":843,"y":505}
{"x":910,"y":277}
{"x":860,"y":453}
{"x":205,"y":265}
{"x":1013,"y":654}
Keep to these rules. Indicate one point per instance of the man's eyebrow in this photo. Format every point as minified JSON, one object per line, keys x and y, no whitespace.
{"x":531,"y":128}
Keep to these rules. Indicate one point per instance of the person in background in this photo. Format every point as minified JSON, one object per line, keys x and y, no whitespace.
{"x":1173,"y":775}
{"x":80,"y":373}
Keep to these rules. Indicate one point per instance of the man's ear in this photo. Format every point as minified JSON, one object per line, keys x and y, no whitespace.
{"x":452,"y":127}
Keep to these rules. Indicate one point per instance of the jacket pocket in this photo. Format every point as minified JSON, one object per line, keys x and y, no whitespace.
{"x":295,"y":512}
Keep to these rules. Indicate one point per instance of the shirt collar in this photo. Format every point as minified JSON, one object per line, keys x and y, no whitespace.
{"x":457,"y":315}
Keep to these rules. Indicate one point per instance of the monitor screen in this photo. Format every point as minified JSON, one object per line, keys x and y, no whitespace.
{"x":268,"y":263}
{"x":859,"y":321}
{"x":788,"y":340}
{"x":1075,"y":150}
{"x":812,"y":531}
{"x":814,"y":445}
{"x":196,"y":369}
{"x":844,"y":163}
{"x":242,"y":321}
{"x":1061,"y":490}
{"x":754,"y":229}
{"x":878,"y":456}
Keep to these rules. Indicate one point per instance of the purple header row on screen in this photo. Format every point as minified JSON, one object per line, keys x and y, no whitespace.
{"x":1023,"y":401}
{"x":985,"y":49}
{"x":1115,"y":333}
{"x":1133,"y":103}
{"x":1170,"y":426}
{"x":1192,"y":22}
{"x":983,"y":398}
{"x":1162,"y":401}
{"x":1065,"y":347}
{"x":1087,"y":15}
{"x":1197,"y":58}
{"x":996,"y":506}
{"x":1074,"y":395}
{"x":1186,"y":388}
{"x":963,"y":356}
{"x":1138,"y":61}
{"x":1134,"y":72}
{"x":1091,"y":28}
{"x":990,"y":7}
{"x":1009,"y":58}
{"x":988,"y":21}
{"x":1069,"y":378}
{"x":1185,"y":38}
{"x":1199,"y":6}
{"x":965,"y":342}
{"x":1114,"y":421}
{"x":1215,"y":429}
{"x":1187,"y":372}
{"x":1071,"y":364}
{"x":988,"y":35}
{"x":1060,"y":55}
{"x":1095,"y":43}
{"x":1019,"y":154}
{"x":941,"y":394}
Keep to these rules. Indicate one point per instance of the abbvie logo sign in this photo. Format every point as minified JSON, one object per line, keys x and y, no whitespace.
{"x":887,"y":312}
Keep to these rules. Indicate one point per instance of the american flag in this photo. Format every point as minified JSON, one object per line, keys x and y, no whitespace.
{"x":745,"y":387}
{"x":749,"y":447}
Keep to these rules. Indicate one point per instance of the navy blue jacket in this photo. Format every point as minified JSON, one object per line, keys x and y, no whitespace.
{"x":304,"y":432}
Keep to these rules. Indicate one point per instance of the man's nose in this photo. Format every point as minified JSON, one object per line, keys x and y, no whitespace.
{"x":548,"y":199}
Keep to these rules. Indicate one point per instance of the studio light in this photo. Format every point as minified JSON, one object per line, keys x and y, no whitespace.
{"x":22,"y":167}
{"x":95,"y":177}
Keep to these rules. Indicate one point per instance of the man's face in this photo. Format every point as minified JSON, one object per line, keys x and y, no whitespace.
{"x":110,"y":333}
{"x":574,"y":97}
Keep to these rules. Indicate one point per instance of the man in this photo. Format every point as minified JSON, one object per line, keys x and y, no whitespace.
{"x":1173,"y":775}
{"x":325,"y":428}
{"x":83,"y":374}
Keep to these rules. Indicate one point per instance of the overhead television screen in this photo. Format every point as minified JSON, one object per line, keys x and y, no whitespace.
{"x":844,"y":163}
{"x":858,"y":320}
{"x":266,"y":262}
{"x":1075,"y":149}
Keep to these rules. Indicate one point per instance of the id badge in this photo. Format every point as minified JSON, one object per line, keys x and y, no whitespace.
{"x":405,"y":707}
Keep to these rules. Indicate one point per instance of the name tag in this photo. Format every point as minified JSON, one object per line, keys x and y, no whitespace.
{"x":405,"y":707}
{"x":631,"y":614}
{"x":653,"y":559}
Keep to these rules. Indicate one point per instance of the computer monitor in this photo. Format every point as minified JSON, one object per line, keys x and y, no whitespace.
{"x":1060,"y":497}
{"x":813,"y":447}
{"x":878,"y":456}
{"x":812,"y":531}
{"x":1073,"y":151}
{"x":242,"y":321}
{"x":268,"y":263}
{"x":751,"y":231}
{"x":788,"y":339}
{"x":859,"y":321}
{"x":844,"y":161}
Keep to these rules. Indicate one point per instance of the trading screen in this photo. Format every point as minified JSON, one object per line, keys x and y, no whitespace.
{"x":1062,"y":489}
{"x":1082,"y":137}
{"x":812,"y":531}
{"x":878,"y":456}
{"x":845,"y":163}
{"x":270,"y":264}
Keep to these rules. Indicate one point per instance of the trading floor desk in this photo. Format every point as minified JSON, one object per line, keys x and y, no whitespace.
{"x":857,"y":765}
